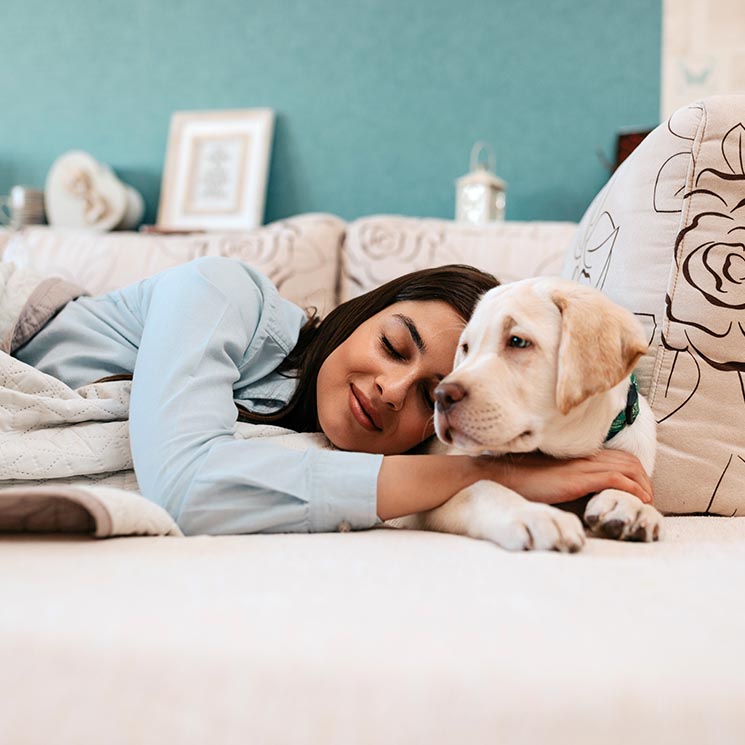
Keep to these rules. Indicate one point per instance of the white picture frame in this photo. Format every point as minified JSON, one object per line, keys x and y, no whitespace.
{"x":216,"y":169}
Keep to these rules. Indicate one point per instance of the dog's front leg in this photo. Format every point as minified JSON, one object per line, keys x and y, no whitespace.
{"x":617,"y":514}
{"x":492,"y":512}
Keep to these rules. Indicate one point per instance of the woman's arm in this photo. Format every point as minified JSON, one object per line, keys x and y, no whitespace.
{"x":203,"y":323}
{"x":414,"y":483}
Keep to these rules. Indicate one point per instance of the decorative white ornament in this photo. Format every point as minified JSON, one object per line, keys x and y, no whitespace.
{"x":81,"y":192}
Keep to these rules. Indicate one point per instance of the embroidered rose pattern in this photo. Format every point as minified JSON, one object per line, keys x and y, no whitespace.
{"x":707,"y":304}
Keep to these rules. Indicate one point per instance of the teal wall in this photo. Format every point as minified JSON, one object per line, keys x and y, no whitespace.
{"x":377,"y":101}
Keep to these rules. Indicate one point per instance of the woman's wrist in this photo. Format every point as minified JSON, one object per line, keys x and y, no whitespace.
{"x":415,"y":483}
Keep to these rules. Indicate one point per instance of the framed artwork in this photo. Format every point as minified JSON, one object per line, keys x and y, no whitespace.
{"x":216,"y":170}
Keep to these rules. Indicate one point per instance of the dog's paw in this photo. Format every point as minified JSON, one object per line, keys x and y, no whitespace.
{"x":619,"y":515}
{"x":538,"y":527}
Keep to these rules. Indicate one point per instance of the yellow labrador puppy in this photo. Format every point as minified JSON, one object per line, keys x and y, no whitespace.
{"x":544,"y":364}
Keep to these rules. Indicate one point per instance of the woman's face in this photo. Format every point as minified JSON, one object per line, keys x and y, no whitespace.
{"x":375,"y":391}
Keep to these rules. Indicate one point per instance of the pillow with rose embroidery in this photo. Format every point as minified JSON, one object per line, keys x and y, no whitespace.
{"x":666,"y":239}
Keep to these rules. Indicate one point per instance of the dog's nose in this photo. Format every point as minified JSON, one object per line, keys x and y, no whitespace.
{"x":449,"y":393}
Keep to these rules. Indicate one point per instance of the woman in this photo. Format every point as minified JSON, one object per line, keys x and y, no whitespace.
{"x":206,"y":335}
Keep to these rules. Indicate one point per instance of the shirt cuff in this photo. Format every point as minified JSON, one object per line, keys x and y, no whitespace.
{"x":345,"y":489}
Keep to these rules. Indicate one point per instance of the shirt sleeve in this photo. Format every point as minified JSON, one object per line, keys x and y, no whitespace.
{"x":202,"y":321}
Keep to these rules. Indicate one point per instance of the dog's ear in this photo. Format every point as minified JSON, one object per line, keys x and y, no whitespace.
{"x":600,"y":344}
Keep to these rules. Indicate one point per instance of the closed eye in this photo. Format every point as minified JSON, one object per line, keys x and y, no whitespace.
{"x":518,"y":342}
{"x":391,"y":351}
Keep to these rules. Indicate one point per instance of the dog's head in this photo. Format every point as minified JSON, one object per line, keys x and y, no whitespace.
{"x":533,"y":353}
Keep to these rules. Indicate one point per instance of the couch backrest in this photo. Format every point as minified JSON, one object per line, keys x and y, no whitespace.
{"x":300,"y":255}
{"x":315,"y":259}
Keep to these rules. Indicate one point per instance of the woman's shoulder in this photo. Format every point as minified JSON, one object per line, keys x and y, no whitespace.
{"x":221,"y":267}
{"x":231,"y":283}
{"x":228,"y":276}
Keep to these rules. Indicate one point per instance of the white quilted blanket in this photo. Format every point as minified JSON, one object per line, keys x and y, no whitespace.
{"x":65,"y":461}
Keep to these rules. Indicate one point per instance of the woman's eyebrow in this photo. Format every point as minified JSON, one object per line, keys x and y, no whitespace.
{"x":412,"y":329}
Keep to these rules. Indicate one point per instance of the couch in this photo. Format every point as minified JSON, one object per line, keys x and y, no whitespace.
{"x":391,"y":636}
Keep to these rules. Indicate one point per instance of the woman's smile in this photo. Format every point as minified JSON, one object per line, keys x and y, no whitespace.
{"x":363,"y":410}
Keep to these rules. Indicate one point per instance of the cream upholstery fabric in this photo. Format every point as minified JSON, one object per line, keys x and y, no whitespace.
{"x":299,"y":254}
{"x":375,"y":637}
{"x":666,"y":238}
{"x":382,"y":247}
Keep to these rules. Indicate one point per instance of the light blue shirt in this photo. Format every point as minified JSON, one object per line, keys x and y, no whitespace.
{"x":197,"y":337}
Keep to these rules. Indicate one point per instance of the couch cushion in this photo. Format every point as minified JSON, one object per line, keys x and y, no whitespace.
{"x":382,"y":247}
{"x":379,"y":636}
{"x":666,"y":238}
{"x":299,"y":254}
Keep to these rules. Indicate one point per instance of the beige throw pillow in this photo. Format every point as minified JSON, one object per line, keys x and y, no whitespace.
{"x":300,"y":255}
{"x":382,"y":247}
{"x":666,"y":238}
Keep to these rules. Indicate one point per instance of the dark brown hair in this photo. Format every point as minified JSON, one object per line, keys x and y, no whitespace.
{"x":458,"y":285}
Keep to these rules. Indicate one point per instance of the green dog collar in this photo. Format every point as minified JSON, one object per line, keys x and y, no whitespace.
{"x":629,"y":414}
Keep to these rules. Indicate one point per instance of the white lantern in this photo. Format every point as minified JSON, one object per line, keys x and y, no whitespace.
{"x":480,"y":195}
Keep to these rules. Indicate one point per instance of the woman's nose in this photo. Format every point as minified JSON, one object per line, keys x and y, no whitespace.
{"x":393,"y":390}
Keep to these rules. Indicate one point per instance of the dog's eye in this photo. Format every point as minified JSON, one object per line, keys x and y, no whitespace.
{"x":518,"y":342}
{"x":464,"y":348}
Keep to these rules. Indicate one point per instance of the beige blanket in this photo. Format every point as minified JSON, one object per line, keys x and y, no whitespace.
{"x":65,"y":461}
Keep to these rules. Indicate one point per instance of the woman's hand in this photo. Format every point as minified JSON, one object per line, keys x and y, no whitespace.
{"x":413,"y":483}
{"x":541,"y":478}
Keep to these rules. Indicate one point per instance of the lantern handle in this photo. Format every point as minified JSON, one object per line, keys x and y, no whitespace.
{"x":476,"y":150}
